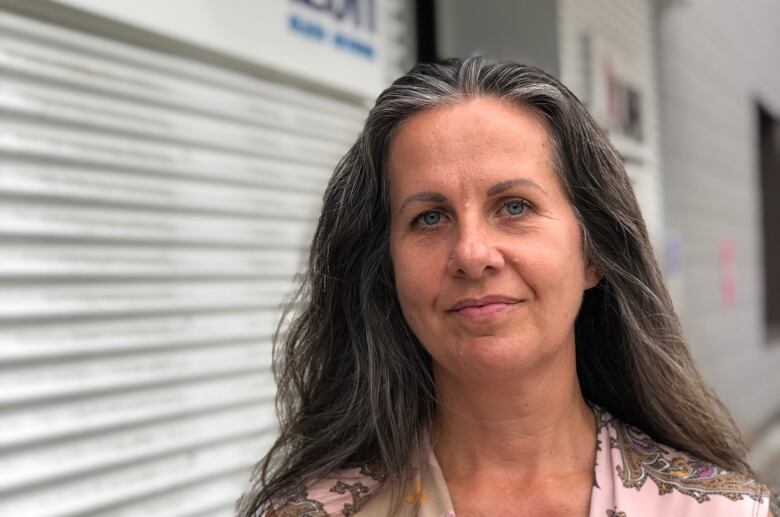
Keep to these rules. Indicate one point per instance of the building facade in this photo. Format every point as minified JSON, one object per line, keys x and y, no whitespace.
{"x":720,"y":110}
{"x":161,"y":173}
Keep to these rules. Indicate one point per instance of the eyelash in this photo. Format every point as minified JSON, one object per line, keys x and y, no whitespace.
{"x":418,"y":224}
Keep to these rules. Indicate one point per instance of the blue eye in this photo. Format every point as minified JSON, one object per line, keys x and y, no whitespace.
{"x":515,"y":207}
{"x":431,"y":218}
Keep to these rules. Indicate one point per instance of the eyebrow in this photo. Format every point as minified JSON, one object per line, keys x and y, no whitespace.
{"x":517,"y":182}
{"x":434,"y":197}
{"x":496,"y":189}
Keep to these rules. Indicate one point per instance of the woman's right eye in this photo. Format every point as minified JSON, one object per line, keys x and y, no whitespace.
{"x":431,"y":218}
{"x":427,"y":219}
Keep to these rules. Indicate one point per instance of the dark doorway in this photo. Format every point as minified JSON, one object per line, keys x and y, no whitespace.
{"x":425,"y":11}
{"x":769,"y":162}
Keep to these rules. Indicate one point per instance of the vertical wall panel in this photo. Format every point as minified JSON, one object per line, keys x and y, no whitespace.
{"x":601,"y":38}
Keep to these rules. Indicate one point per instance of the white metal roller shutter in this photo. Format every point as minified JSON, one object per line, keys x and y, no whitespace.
{"x":153,"y":212}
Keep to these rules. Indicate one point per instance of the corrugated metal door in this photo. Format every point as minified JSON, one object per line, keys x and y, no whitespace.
{"x":153,"y":212}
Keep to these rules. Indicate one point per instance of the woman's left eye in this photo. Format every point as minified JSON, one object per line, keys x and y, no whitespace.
{"x":516,"y":207}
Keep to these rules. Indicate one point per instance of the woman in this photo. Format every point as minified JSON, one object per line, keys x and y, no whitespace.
{"x":483,"y":329}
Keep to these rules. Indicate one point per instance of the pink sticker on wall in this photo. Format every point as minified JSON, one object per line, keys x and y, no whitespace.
{"x":728,"y":272}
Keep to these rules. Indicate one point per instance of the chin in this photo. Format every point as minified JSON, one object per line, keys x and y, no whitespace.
{"x":489,"y":356}
{"x":497,"y":353}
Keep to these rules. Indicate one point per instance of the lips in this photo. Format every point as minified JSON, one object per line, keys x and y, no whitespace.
{"x":483,"y":302}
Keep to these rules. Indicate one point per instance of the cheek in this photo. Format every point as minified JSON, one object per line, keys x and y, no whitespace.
{"x":551,"y":267}
{"x":415,"y":281}
{"x":409,"y":284}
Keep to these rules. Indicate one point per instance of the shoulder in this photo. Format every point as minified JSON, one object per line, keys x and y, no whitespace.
{"x":341,"y":493}
{"x":681,"y":479}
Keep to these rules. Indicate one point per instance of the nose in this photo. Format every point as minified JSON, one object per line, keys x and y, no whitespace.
{"x":475,"y":253}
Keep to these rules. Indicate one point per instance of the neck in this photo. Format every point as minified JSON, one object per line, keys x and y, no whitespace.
{"x":531,"y":427}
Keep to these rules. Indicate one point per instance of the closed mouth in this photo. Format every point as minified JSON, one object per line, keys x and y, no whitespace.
{"x":484,"y":301}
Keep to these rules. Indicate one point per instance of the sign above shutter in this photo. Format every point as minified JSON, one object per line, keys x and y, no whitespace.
{"x":339,"y":43}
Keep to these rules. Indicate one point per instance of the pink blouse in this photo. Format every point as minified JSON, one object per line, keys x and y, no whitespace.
{"x":634,"y":477}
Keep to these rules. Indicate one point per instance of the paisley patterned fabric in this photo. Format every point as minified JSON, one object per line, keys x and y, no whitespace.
{"x":634,"y":476}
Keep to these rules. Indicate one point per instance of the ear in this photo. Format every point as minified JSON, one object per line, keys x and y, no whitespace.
{"x":592,"y":277}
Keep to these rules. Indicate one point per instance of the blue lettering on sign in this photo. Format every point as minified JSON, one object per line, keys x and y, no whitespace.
{"x":345,"y":42}
{"x":341,"y":41}
{"x":311,"y":29}
{"x":362,"y":12}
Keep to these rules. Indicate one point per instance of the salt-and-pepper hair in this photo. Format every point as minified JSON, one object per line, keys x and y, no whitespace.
{"x":355,"y":386}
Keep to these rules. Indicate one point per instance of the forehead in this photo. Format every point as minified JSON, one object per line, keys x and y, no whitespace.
{"x":475,"y":141}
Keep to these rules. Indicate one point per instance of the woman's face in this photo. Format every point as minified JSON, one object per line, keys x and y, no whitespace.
{"x":486,"y":248}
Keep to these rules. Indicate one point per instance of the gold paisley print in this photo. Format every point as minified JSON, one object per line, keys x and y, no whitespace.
{"x":670,"y":470}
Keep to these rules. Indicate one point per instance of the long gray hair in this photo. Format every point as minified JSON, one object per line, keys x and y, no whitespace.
{"x":355,"y":384}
